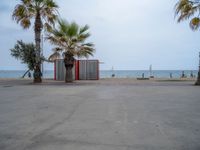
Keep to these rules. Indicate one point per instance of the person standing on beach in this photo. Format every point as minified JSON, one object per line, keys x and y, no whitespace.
{"x":191,"y":74}
{"x":171,"y":75}
{"x":183,"y":75}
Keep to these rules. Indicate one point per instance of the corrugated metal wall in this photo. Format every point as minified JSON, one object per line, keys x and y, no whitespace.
{"x":88,"y":69}
{"x":82,"y":70}
{"x":92,"y":70}
{"x":60,"y":72}
{"x":85,"y":70}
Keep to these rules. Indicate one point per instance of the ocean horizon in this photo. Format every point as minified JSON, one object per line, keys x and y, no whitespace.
{"x":109,"y":73}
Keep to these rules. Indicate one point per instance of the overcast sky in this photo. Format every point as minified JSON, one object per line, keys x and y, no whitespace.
{"x":128,"y":34}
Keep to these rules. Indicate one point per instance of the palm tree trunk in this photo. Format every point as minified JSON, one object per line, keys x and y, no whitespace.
{"x":38,"y":29}
{"x":68,"y":76}
{"x":198,"y":78}
{"x":25,"y":73}
{"x":69,"y":63}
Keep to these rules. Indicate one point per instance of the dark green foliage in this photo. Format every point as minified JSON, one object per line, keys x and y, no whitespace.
{"x":24,"y":52}
{"x":188,"y":9}
{"x":29,"y":9}
{"x":71,"y":38}
{"x":44,"y":13}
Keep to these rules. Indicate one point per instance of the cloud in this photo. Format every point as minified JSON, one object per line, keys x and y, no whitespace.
{"x":128,"y":34}
{"x":7,"y":5}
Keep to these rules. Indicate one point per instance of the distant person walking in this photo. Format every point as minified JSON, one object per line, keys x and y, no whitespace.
{"x":183,"y":75}
{"x":170,"y":75}
{"x":191,"y":74}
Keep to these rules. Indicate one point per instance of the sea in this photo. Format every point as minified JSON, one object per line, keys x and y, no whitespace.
{"x":109,"y":73}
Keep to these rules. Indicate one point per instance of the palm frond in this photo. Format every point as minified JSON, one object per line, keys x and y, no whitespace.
{"x":186,"y":9}
{"x":26,"y":2}
{"x":70,"y":37}
{"x":73,"y":30}
{"x":88,"y":44}
{"x":48,"y":27}
{"x":25,"y":23}
{"x":83,"y":37}
{"x":28,"y":9}
{"x":63,"y":25}
{"x":19,"y":13}
{"x":53,"y":40}
{"x":49,"y":11}
{"x":50,"y":4}
{"x":195,"y":23}
{"x":84,"y":51}
{"x":83,"y":29}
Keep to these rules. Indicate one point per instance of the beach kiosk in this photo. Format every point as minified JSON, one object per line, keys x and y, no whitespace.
{"x":82,"y":70}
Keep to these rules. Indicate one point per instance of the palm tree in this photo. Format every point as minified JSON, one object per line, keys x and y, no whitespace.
{"x":44,"y":14}
{"x":26,"y":53}
{"x":70,"y":39}
{"x":186,"y":9}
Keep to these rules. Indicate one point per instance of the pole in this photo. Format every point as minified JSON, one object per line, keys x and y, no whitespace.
{"x":199,"y":62}
{"x":42,"y":65}
{"x":150,"y":71}
{"x":198,"y":78}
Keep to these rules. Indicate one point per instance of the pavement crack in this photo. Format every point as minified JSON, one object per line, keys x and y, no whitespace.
{"x":38,"y":138}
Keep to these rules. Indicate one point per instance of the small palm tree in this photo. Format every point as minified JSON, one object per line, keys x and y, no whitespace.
{"x":70,"y":39}
{"x":186,"y":9}
{"x":44,"y":14}
{"x":26,"y":53}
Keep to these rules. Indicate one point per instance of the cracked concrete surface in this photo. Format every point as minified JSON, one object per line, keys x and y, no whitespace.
{"x":110,"y":116}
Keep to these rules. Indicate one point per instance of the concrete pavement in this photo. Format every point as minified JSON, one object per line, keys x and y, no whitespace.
{"x":100,"y":116}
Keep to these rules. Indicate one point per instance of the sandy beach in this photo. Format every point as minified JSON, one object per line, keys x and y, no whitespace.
{"x":109,"y":114}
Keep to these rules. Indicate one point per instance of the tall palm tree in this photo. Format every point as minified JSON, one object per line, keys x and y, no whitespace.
{"x":70,"y":39}
{"x":186,"y":9}
{"x":44,"y":13}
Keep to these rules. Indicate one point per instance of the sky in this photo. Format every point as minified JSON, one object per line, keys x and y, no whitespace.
{"x":128,"y":34}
